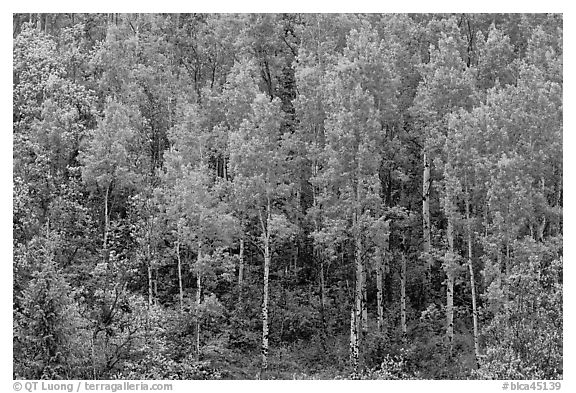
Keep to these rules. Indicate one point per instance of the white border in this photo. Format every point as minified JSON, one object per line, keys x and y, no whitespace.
{"x":569,"y":144}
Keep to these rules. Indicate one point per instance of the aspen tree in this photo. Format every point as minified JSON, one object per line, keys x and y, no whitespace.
{"x":403,"y":325}
{"x":110,"y":158}
{"x":472,"y":280}
{"x":260,"y":177}
{"x":357,"y":104}
{"x":446,"y":85}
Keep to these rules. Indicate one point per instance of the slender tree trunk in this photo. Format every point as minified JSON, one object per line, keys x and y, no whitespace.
{"x":16,"y":25}
{"x":359,"y":286}
{"x":354,"y":342}
{"x":155,"y":285}
{"x":266,"y":234}
{"x":501,"y":267}
{"x":149,"y":262}
{"x":450,"y":258}
{"x":322,"y":286}
{"x":265,"y":305}
{"x":106,"y":222}
{"x":379,"y":297}
{"x":450,"y":285}
{"x":426,"y":215}
{"x":150,"y":293}
{"x":356,"y":320}
{"x":542,"y":226}
{"x":361,"y":312}
{"x":46,"y":23}
{"x":472,"y":282}
{"x":241,"y":270}
{"x":364,"y":303}
{"x":198,"y":299}
{"x":403,"y":298}
{"x":93,"y":338}
{"x":508,"y":259}
{"x":323,"y":301}
{"x":181,"y":292}
{"x":381,"y":256}
{"x":320,"y":259}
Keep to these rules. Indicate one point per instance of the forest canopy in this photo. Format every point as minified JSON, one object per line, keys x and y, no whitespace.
{"x":287,"y":196}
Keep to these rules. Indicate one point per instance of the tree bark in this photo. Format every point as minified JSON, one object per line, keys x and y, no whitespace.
{"x":364,"y":303}
{"x":319,"y":258}
{"x":155,"y":285}
{"x":241,"y":270}
{"x":322,"y":287}
{"x":266,"y":233}
{"x":181,"y":292}
{"x":360,"y":295}
{"x":358,"y":288}
{"x":356,"y":319}
{"x":46,"y":23}
{"x":198,"y":299}
{"x":149,"y":262}
{"x":265,"y":305}
{"x":322,"y":299}
{"x":403,"y":298}
{"x":94,"y":375}
{"x":354,"y":343}
{"x":381,"y":256}
{"x":426,"y":215}
{"x":472,"y":282}
{"x":106,"y":222}
{"x":379,"y":297}
{"x":450,"y":285}
{"x":501,"y":267}
{"x":450,"y":257}
{"x":150,"y":295}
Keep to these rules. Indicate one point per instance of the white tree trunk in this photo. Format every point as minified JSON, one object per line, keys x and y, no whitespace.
{"x":364,"y":303}
{"x":106,"y":223}
{"x":267,"y":261}
{"x":354,"y":343}
{"x":198,"y":300}
{"x":381,"y":257}
{"x":181,"y":292}
{"x":379,"y":289}
{"x":403,"y":299}
{"x":322,"y":287}
{"x":356,"y":318}
{"x":426,"y":214}
{"x":150,"y":292}
{"x":241,"y":270}
{"x":450,"y":285}
{"x":472,"y":283}
{"x":156,"y":285}
{"x":265,"y":305}
{"x":358,"y":286}
{"x":323,"y":302}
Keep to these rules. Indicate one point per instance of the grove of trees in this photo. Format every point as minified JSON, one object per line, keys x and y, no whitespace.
{"x":278,"y":196}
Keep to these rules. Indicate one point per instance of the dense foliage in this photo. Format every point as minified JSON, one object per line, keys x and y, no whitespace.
{"x":287,"y":196}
